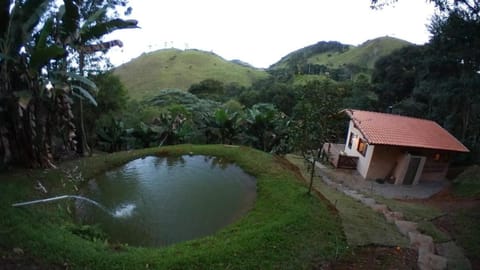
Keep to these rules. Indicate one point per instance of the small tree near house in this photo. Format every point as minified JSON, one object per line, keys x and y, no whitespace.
{"x":314,"y":119}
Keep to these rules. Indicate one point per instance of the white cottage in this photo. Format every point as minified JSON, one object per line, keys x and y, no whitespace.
{"x":403,"y":149}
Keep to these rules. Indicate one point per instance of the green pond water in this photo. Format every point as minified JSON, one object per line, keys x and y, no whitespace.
{"x":158,"y":201}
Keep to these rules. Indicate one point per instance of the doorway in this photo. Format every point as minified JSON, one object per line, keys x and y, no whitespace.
{"x":412,"y":170}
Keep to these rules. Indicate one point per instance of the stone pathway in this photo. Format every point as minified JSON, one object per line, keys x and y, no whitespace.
{"x":428,"y":258}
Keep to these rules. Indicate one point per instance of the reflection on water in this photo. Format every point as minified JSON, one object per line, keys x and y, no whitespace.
{"x":158,"y":201}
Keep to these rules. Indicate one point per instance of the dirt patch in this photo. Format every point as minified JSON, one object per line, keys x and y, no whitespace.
{"x":284,"y":163}
{"x":444,"y":199}
{"x":444,"y":223}
{"x":374,"y":257}
{"x":447,"y":202}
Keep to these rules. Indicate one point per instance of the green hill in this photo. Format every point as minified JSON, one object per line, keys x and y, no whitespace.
{"x":319,"y":57}
{"x":178,"y":69}
{"x":301,"y":56}
{"x":363,"y":56}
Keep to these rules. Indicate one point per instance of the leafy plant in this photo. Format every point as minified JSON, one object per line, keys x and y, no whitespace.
{"x":314,"y":120}
{"x":112,"y":134}
{"x":224,"y":125}
{"x":38,"y":42}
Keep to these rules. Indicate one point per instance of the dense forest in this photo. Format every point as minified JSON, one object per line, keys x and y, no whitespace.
{"x":50,"y":73}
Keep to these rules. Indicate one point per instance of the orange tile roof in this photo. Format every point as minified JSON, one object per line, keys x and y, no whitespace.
{"x":391,"y":129}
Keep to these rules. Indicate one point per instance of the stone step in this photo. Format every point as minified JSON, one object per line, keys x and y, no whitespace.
{"x":357,"y":197}
{"x":391,"y":216}
{"x":430,"y":261}
{"x":427,"y":260}
{"x":421,"y":242}
{"x":379,"y":208}
{"x":406,"y":226}
{"x":368,"y":201}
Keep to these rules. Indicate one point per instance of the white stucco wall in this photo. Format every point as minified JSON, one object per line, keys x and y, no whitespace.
{"x":355,"y":131}
{"x":363,"y":161}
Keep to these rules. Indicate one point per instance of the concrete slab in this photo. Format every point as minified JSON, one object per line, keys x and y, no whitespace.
{"x":354,"y":180}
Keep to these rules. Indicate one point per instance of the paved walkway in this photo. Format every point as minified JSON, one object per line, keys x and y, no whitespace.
{"x":352,"y":179}
{"x":349,"y":183}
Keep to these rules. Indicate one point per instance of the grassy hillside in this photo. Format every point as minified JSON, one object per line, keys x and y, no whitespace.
{"x":301,"y":56}
{"x":177,"y":69}
{"x":363,"y":56}
{"x":337,"y":55}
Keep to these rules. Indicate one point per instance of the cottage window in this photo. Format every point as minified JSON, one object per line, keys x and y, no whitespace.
{"x":443,"y":157}
{"x":350,"y":141}
{"x":362,"y":147}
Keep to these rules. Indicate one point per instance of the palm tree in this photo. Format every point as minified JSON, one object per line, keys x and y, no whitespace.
{"x":84,"y":35}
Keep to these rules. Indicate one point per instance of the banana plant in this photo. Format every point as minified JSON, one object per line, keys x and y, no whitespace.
{"x":36,"y":92}
{"x":225,"y":125}
{"x":113,"y":136}
{"x":148,"y":135}
{"x":168,"y":125}
{"x":261,"y":121}
{"x":84,"y":36}
{"x":25,"y":101}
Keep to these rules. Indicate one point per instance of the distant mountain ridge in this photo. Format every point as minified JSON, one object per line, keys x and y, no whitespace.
{"x":178,"y":69}
{"x":333,"y":54}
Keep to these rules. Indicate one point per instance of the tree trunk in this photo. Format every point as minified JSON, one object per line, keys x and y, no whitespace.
{"x":20,"y":135}
{"x":312,"y":174}
{"x":5,"y":153}
{"x":84,"y":148}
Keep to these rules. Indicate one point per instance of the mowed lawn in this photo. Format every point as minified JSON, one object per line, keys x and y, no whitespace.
{"x":286,"y":228}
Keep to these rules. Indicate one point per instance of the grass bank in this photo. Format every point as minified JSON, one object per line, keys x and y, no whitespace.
{"x":466,"y":231}
{"x":467,"y":184}
{"x":286,"y":228}
{"x":362,"y":226}
{"x":464,"y":222}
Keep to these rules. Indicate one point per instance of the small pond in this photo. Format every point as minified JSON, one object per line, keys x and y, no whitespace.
{"x":159,"y":201}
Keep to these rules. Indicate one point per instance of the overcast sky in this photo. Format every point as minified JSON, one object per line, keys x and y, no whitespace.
{"x":260,"y":32}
